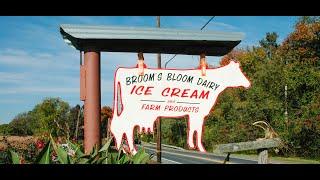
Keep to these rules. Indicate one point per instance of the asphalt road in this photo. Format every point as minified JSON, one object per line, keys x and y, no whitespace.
{"x":180,"y":156}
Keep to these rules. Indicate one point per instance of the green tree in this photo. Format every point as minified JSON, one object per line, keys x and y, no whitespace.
{"x":21,"y":125}
{"x":269,"y":43}
{"x":294,"y":63}
{"x":308,"y":19}
{"x":270,"y":40}
{"x":5,"y":129}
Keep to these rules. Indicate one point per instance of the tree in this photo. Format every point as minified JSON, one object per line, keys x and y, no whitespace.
{"x":301,"y":52}
{"x":21,"y":125}
{"x":294,"y":63}
{"x":50,"y":116}
{"x":5,"y":129}
{"x":269,"y":43}
{"x":308,"y":20}
{"x":74,"y":120}
{"x":106,"y":115}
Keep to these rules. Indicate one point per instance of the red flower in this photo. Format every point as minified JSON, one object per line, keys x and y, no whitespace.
{"x":39,"y":144}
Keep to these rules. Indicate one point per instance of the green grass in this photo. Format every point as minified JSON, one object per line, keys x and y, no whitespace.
{"x":296,"y":160}
{"x":279,"y":160}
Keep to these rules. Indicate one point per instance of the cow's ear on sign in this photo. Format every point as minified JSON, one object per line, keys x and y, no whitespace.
{"x":235,"y":63}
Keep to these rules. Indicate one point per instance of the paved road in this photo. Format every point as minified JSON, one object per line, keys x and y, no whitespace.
{"x":179,"y":156}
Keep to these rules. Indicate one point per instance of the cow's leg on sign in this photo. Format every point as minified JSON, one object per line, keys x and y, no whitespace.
{"x":116,"y":130}
{"x":131,"y":142}
{"x":199,"y":129}
{"x":195,"y":125}
{"x":191,"y":130}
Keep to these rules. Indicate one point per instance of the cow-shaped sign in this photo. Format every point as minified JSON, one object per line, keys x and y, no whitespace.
{"x":140,"y":99}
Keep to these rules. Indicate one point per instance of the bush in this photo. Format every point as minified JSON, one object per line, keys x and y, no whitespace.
{"x":72,"y":153}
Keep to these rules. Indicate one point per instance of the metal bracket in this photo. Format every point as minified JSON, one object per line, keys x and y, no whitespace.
{"x":203,"y":64}
{"x":227,"y":159}
{"x":141,"y":63}
{"x":82,"y":80}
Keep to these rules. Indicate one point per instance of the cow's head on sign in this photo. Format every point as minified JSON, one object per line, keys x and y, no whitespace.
{"x":238,"y":78}
{"x":139,"y":99}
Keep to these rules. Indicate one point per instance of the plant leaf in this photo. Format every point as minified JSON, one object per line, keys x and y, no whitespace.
{"x":15,"y":157}
{"x":141,"y":157}
{"x":124,"y":159}
{"x":44,"y":155}
{"x":83,"y":161}
{"x":62,"y":154}
{"x":76,"y":148}
{"x":106,"y":146}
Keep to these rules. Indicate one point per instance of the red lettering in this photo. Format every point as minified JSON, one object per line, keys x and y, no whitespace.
{"x":157,"y":107}
{"x":195,"y":94}
{"x":166,"y":89}
{"x":138,"y":89}
{"x":148,"y":90}
{"x":133,"y":89}
{"x":175,"y":92}
{"x":204,"y":95}
{"x":185,"y":93}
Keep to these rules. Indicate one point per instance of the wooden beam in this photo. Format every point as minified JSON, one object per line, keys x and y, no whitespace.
{"x":250,"y":145}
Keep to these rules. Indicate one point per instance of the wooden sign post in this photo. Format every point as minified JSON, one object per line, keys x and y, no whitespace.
{"x":159,"y":119}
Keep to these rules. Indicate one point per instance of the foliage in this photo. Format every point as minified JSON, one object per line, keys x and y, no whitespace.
{"x":51,"y":115}
{"x":106,"y":115}
{"x":174,"y":131}
{"x":270,"y":67}
{"x":71,"y":153}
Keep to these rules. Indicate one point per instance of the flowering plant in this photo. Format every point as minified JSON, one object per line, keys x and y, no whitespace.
{"x":71,"y":153}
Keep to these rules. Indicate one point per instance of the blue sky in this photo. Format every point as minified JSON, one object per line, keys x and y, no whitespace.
{"x":36,"y":63}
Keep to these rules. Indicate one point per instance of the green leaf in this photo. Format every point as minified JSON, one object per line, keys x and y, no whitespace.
{"x":44,"y":155}
{"x":76,"y":148}
{"x":15,"y":157}
{"x":106,"y":146}
{"x":83,"y":161}
{"x":141,"y":157}
{"x":102,"y":159}
{"x":124,"y":159}
{"x":94,"y":151}
{"x":112,"y":158}
{"x":62,"y":154}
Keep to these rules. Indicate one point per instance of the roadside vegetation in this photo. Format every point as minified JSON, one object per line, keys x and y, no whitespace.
{"x":270,"y":65}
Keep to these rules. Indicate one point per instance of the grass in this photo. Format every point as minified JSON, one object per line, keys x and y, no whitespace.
{"x":279,"y":160}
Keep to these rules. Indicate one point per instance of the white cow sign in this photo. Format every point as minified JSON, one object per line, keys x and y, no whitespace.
{"x":140,"y":99}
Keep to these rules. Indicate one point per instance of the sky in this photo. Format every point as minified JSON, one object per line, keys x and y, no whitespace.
{"x":36,"y":63}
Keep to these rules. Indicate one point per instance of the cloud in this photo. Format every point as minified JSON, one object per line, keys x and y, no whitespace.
{"x":107,"y":86}
{"x":221,"y":24}
{"x":11,"y":101}
{"x":8,"y":77}
{"x":25,"y":90}
{"x":21,"y":58}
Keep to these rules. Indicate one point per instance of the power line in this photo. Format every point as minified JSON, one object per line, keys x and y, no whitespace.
{"x":165,"y":65}
{"x":207,"y":22}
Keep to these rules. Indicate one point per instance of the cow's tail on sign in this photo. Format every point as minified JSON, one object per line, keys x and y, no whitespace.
{"x":116,"y":126}
{"x":117,"y":107}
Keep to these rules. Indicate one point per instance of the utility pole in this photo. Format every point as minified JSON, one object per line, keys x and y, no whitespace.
{"x":286,"y":102}
{"x":159,"y":119}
